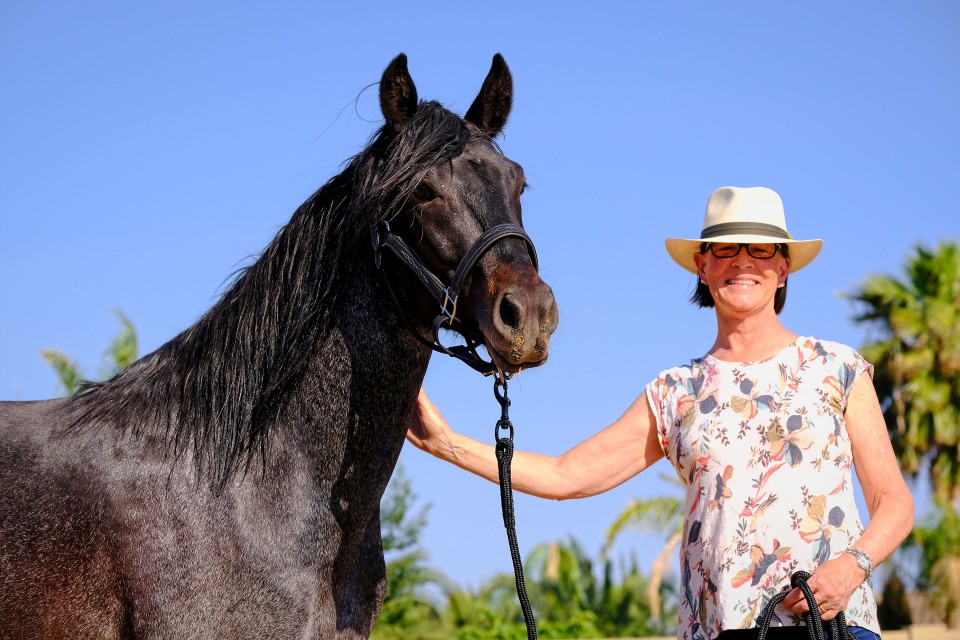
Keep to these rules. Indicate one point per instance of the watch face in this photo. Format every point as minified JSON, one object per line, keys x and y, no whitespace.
{"x":863,"y":560}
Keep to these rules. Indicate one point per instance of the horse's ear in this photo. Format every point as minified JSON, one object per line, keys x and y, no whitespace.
{"x":492,"y":106}
{"x":398,"y":95}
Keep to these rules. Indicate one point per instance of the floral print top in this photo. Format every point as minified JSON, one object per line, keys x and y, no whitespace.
{"x":766,"y":461}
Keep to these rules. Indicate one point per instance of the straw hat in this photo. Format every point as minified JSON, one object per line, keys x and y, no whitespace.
{"x":749,"y":215}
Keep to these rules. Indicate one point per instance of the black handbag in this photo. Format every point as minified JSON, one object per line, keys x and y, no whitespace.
{"x":815,"y":625}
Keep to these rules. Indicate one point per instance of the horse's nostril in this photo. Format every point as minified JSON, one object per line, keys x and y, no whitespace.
{"x":509,"y":313}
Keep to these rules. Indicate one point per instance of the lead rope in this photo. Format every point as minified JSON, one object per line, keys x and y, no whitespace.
{"x":838,"y":626}
{"x":504,"y":458}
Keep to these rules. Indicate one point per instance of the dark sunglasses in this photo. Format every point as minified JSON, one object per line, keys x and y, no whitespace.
{"x":761,"y":251}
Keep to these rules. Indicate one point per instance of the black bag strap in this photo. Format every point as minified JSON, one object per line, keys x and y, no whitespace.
{"x":837,"y":626}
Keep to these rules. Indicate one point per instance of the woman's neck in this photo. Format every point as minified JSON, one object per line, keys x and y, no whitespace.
{"x":750,"y":339}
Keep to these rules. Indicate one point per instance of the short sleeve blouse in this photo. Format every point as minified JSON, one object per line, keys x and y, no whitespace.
{"x":762,"y":450}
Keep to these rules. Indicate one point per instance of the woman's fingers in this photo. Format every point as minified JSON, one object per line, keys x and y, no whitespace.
{"x":425,"y":421}
{"x":796,"y":602}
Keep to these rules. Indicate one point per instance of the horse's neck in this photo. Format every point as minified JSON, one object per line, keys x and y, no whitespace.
{"x":353,"y":400}
{"x":383,"y":356}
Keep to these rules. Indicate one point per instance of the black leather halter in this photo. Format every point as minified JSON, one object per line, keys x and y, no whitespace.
{"x":448,"y":296}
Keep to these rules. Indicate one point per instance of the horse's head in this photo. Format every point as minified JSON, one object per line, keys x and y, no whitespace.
{"x":458,"y":185}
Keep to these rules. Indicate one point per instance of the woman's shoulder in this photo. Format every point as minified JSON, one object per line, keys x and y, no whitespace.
{"x":680,"y":374}
{"x":827,"y":349}
{"x":835,"y":360}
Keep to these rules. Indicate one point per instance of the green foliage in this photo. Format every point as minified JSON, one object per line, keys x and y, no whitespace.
{"x":68,"y":371}
{"x":938,"y":536}
{"x":122,"y":350}
{"x":490,"y":614}
{"x":406,"y":613}
{"x":659,"y":514}
{"x":916,"y":352}
{"x":399,"y":529}
{"x":938,"y":541}
{"x":120,"y":353}
{"x":568,"y":600}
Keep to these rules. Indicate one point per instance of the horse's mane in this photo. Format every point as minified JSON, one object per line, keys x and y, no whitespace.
{"x":216,"y":388}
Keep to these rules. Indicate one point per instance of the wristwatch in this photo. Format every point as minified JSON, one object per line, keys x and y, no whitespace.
{"x":863,"y":560}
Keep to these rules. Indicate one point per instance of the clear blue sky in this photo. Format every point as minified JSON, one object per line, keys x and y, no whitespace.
{"x":148,"y":149}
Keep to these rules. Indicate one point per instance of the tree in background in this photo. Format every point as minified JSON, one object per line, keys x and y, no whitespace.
{"x":916,"y":353}
{"x":660,"y":514}
{"x":568,"y":597}
{"x":938,"y":542}
{"x":407,"y":611}
{"x":893,"y":609}
{"x":565,"y":593}
{"x":915,"y":321}
{"x":120,"y":353}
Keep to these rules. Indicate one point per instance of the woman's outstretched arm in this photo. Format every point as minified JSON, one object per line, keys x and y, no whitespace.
{"x":599,"y":463}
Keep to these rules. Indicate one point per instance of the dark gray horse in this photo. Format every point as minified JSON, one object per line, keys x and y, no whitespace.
{"x":228,"y":484}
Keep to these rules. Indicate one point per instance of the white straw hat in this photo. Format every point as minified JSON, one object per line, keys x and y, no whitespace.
{"x":747,"y":215}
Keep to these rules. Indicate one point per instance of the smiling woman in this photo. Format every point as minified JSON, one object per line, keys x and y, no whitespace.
{"x":738,"y":218}
{"x":764,"y":431}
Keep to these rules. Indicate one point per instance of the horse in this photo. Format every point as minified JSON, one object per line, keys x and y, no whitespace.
{"x":228,"y":484}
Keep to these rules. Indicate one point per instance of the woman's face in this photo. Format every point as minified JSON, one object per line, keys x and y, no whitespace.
{"x":742,"y":284}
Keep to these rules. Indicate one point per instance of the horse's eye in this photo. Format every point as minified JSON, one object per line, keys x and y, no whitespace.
{"x":523,"y":188}
{"x":423,"y":192}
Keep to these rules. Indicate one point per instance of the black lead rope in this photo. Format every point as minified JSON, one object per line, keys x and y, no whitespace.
{"x":504,"y":458}
{"x":837,"y":626}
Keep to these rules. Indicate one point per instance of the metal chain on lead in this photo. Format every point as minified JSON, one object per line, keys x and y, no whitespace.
{"x":504,"y":458}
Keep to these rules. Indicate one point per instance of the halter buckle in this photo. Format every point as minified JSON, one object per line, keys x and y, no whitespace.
{"x":450,"y":313}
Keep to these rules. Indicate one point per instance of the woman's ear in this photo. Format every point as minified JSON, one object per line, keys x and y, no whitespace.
{"x":698,"y":260}
{"x":785,"y":270}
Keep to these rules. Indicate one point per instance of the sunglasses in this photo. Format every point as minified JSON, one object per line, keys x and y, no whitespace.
{"x":761,"y":251}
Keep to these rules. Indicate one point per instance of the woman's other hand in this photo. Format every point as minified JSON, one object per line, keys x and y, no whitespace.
{"x":832,"y":584}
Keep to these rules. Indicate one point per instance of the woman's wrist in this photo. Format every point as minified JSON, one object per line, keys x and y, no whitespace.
{"x":864,"y":563}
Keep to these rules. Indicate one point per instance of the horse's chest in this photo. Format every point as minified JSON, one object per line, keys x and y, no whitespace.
{"x":240,"y":567}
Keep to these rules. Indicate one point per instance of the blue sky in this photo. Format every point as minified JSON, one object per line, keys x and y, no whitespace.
{"x":149,"y":149}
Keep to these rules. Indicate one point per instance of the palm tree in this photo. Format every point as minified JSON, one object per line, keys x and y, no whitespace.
{"x":564,"y":590}
{"x":661,"y":514}
{"x":120,"y":353}
{"x":916,"y":352}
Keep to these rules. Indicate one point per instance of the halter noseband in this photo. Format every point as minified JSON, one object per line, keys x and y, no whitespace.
{"x":448,"y":296}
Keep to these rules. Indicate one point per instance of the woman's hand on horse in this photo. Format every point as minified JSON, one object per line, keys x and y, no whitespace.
{"x":426,"y":428}
{"x":832,"y":583}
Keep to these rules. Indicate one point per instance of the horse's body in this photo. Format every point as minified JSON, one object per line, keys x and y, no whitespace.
{"x":228,"y":484}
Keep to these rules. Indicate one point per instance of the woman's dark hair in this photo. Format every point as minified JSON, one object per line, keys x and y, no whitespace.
{"x":702,"y":297}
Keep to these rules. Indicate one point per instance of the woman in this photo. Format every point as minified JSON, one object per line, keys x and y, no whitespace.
{"x":763,"y":431}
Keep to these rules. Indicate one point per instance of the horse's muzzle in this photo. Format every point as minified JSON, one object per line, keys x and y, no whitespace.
{"x":522,"y":319}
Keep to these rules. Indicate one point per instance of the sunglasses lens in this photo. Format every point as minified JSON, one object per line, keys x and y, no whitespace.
{"x":725,"y":249}
{"x":762,"y":251}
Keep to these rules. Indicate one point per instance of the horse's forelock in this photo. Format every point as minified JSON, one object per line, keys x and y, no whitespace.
{"x":432,"y":136}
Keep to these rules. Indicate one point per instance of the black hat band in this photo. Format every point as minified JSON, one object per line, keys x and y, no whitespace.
{"x":754,"y":228}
